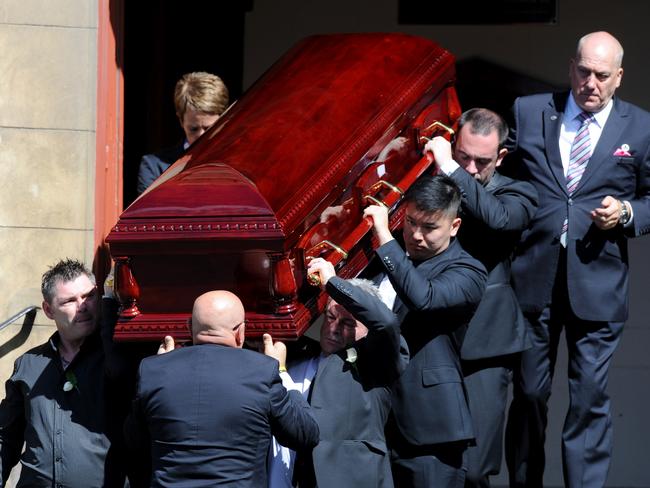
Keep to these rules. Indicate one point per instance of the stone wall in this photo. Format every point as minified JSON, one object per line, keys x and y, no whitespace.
{"x":47,"y":150}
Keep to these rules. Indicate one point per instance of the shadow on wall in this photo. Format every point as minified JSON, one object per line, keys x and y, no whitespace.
{"x":482,"y":83}
{"x":20,"y":338}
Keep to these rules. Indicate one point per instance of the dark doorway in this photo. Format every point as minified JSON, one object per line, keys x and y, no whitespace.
{"x":162,"y":41}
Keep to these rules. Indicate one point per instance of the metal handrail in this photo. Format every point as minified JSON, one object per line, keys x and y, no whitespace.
{"x":22,"y":313}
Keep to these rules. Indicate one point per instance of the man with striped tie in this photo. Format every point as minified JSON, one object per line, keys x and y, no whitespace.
{"x":588,"y":155}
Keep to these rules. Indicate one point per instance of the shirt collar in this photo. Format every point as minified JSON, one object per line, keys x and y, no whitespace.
{"x":92,"y":341}
{"x":573,"y":110}
{"x":54,"y":341}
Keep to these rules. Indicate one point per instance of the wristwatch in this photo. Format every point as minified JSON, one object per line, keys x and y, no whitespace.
{"x":625,"y":213}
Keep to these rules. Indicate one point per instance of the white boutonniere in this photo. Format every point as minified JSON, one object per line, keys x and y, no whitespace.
{"x":351,"y":358}
{"x":71,"y":382}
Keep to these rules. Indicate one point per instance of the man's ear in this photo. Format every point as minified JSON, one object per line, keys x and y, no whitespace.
{"x":502,"y":154}
{"x":240,"y":336}
{"x":47,"y":309}
{"x":455,"y":225}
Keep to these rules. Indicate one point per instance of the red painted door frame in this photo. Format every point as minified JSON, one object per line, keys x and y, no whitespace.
{"x":109,"y":125}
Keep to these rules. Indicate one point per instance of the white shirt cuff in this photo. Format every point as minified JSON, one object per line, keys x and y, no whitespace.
{"x":287,"y":382}
{"x":448,"y":167}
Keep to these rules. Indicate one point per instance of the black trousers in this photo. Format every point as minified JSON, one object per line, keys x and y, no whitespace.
{"x":587,"y":431}
{"x":439,"y":465}
{"x":486,"y":381}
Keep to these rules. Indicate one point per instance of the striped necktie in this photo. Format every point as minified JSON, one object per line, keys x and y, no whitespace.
{"x":578,"y":159}
{"x":580,"y":153}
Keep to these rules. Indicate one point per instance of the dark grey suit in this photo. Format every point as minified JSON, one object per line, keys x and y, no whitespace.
{"x":207,"y":413}
{"x":435,"y":300}
{"x":583,"y":286}
{"x":153,"y":165}
{"x":493,"y":218}
{"x":351,"y":401}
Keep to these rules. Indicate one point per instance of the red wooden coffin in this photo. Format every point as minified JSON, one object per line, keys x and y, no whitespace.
{"x":336,"y":124}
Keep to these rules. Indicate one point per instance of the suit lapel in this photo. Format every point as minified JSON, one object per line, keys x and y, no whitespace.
{"x":552,"y":123}
{"x":611,"y":134}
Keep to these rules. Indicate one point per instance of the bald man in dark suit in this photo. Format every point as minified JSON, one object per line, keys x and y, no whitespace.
{"x":588,"y":154}
{"x":207,"y":412}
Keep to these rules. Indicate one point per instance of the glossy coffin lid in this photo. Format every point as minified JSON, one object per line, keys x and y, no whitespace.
{"x":238,"y":210}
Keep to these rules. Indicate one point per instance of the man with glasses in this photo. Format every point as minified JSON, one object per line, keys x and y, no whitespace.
{"x":207,"y":412}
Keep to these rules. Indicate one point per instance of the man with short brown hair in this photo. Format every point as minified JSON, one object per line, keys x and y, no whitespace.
{"x":56,"y":400}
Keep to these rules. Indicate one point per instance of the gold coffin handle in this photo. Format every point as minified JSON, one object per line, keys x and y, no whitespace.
{"x":375,"y":200}
{"x":383,"y":183}
{"x":313,"y":278}
{"x":436,"y":125}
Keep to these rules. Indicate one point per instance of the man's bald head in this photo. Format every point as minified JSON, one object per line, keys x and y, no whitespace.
{"x":602,"y":42}
{"x":596,"y":71}
{"x":218,"y":317}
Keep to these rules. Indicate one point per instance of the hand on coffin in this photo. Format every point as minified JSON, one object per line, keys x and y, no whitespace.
{"x":276,"y":350}
{"x":321,"y":268}
{"x":167,"y":345}
{"x":399,"y":146}
{"x":109,"y":284}
{"x":379,"y":216}
{"x":332,"y":213}
{"x":438,"y":150}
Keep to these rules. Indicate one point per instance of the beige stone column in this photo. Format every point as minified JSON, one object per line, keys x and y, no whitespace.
{"x":47,"y":150}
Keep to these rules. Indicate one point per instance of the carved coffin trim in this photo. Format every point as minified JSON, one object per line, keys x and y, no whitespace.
{"x":189,"y":229}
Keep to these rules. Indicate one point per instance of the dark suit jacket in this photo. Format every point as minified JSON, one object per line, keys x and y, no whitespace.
{"x":597,"y":261}
{"x":209,"y":411}
{"x":493,"y":218}
{"x":435,"y":300}
{"x":153,"y":165}
{"x":351,"y":401}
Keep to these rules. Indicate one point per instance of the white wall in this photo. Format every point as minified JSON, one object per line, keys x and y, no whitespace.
{"x":541,"y":51}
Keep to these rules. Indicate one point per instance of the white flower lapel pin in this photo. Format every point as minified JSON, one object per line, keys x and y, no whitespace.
{"x":624,"y":150}
{"x":351,"y":354}
{"x":351,"y":358}
{"x":71,"y":382}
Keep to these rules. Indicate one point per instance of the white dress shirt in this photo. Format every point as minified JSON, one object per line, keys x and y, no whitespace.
{"x":571,"y":124}
{"x":281,"y":459}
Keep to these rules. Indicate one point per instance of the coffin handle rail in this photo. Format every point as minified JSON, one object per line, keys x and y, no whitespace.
{"x":435,"y":126}
{"x":315,"y":252}
{"x":391,"y":199}
{"x":375,"y":200}
{"x":395,"y":195}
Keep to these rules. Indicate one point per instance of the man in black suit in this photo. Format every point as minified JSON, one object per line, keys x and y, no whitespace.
{"x":495,"y":210}
{"x":587,"y":153}
{"x":436,"y":287}
{"x":362,"y":354}
{"x":207,"y":411}
{"x":199,"y":98}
